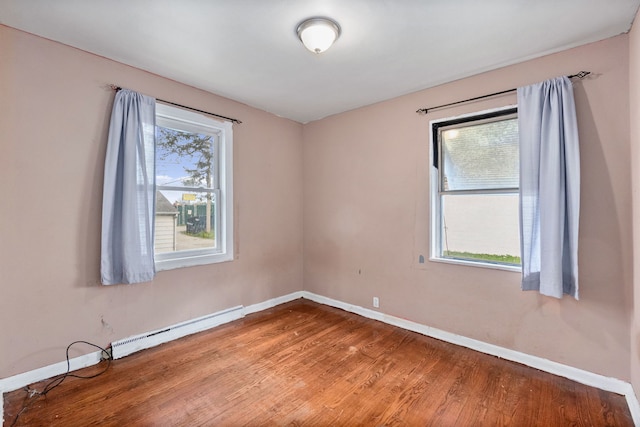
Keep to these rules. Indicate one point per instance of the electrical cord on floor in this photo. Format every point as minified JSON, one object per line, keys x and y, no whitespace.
{"x":57,"y":380}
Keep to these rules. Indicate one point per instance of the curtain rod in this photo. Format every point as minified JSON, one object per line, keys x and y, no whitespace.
{"x":117,"y":88}
{"x":581,"y":75}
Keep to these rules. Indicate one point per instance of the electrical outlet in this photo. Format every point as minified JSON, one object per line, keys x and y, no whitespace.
{"x":376,"y":302}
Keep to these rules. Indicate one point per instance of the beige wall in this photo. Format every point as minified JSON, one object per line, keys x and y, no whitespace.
{"x":634,"y":108}
{"x":366,"y":187}
{"x":54,"y":111}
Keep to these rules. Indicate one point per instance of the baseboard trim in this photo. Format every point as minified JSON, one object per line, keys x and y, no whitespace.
{"x":584,"y":377}
{"x":579,"y":375}
{"x":22,"y":380}
{"x":265,"y":305}
{"x":632,"y":402}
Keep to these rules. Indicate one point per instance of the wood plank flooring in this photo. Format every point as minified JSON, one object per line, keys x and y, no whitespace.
{"x":303,"y":363}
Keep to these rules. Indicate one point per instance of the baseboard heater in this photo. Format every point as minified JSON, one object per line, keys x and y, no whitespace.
{"x":125,"y":347}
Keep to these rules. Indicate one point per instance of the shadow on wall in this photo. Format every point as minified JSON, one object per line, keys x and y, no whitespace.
{"x":90,"y":225}
{"x":604,"y":253}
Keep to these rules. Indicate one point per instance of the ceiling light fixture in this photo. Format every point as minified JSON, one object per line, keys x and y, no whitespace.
{"x":318,"y":34}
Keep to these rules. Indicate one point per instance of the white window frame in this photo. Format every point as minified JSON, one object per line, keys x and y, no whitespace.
{"x":435,"y":193}
{"x":180,"y":119}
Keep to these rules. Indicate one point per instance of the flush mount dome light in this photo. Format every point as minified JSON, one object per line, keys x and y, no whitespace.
{"x":318,"y":34}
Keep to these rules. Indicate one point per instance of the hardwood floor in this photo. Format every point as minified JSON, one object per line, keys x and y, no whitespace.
{"x":302,"y":363}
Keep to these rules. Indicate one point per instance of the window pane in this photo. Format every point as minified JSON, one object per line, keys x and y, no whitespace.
{"x":483,"y":156}
{"x":481,"y":227}
{"x":185,"y":220}
{"x":184,"y":158}
{"x":194,"y":173}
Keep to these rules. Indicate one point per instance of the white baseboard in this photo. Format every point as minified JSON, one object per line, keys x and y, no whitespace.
{"x":22,"y":380}
{"x":265,"y":305}
{"x":584,"y":377}
{"x":579,"y":375}
{"x":632,"y":402}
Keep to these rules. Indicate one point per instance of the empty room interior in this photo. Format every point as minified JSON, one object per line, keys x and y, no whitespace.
{"x":338,"y":233}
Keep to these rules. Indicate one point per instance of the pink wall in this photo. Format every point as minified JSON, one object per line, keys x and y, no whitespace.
{"x":366,"y":189}
{"x":634,"y":109}
{"x":54,"y":109}
{"x":362,"y":178}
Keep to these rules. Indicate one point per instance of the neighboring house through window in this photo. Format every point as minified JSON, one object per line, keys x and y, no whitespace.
{"x":194,"y":217}
{"x":474,"y":190}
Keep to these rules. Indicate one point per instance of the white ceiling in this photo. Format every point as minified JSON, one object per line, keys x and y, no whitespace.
{"x":247,"y":50}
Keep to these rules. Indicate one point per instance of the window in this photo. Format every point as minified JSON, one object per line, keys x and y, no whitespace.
{"x":475,"y":184}
{"x":194,"y":217}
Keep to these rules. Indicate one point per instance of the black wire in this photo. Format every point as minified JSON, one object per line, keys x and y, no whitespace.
{"x":57,"y":380}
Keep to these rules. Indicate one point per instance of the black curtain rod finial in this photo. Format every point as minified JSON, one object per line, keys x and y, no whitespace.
{"x":580,"y":75}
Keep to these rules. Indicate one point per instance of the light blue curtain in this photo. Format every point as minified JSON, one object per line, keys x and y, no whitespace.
{"x":549,"y":187}
{"x":128,"y":200}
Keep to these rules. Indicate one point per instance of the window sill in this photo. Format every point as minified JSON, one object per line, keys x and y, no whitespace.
{"x":494,"y":266}
{"x":191,"y":261}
